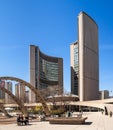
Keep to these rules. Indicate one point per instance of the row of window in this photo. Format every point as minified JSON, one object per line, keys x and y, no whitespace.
{"x":48,"y":70}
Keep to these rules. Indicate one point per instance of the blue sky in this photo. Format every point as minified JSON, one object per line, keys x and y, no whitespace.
{"x":52,"y":25}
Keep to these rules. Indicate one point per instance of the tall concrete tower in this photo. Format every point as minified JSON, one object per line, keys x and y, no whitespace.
{"x":8,"y":86}
{"x":87,"y":85}
{"x":20,"y":91}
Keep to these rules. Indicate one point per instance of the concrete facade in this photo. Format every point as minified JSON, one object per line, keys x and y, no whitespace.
{"x":104,"y":94}
{"x":74,"y":67}
{"x":8,"y":86}
{"x":88,"y":64}
{"x":20,"y":91}
{"x":46,"y":74}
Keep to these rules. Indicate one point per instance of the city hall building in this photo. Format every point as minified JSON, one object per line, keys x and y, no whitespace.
{"x":46,"y":74}
{"x":84,"y":60}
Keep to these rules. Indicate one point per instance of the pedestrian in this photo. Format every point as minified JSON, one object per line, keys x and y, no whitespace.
{"x":110,"y":113}
{"x":18,"y":120}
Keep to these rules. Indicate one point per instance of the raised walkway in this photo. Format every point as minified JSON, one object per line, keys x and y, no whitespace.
{"x":95,"y":121}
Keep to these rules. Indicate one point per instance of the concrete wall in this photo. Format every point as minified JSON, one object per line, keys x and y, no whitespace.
{"x":32,"y":73}
{"x":88,"y":58}
{"x":72,"y":67}
{"x":74,"y":73}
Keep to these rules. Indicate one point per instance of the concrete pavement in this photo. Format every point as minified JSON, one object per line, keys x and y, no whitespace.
{"x":95,"y":121}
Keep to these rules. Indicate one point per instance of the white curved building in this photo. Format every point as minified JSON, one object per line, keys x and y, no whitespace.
{"x":84,"y":60}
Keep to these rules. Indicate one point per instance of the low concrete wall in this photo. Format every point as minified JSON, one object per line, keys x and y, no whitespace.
{"x":68,"y":120}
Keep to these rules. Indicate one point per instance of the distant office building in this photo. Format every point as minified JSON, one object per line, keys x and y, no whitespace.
{"x":46,"y":73}
{"x":84,"y":60}
{"x":104,"y":94}
{"x":74,"y":68}
{"x":20,"y":91}
{"x":8,"y":99}
{"x":2,"y":94}
{"x":26,"y":96}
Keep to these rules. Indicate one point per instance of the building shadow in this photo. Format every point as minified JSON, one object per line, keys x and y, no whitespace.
{"x":88,"y":123}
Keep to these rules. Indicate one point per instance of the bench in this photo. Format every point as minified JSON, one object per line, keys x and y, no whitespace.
{"x":68,"y":120}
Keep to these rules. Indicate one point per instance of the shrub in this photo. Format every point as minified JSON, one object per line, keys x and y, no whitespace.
{"x":57,"y":111}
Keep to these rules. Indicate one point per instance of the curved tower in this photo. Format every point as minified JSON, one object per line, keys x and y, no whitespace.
{"x":88,"y":65}
{"x":46,"y":73}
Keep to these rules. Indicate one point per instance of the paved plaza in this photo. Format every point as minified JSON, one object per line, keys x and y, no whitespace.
{"x":95,"y":121}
